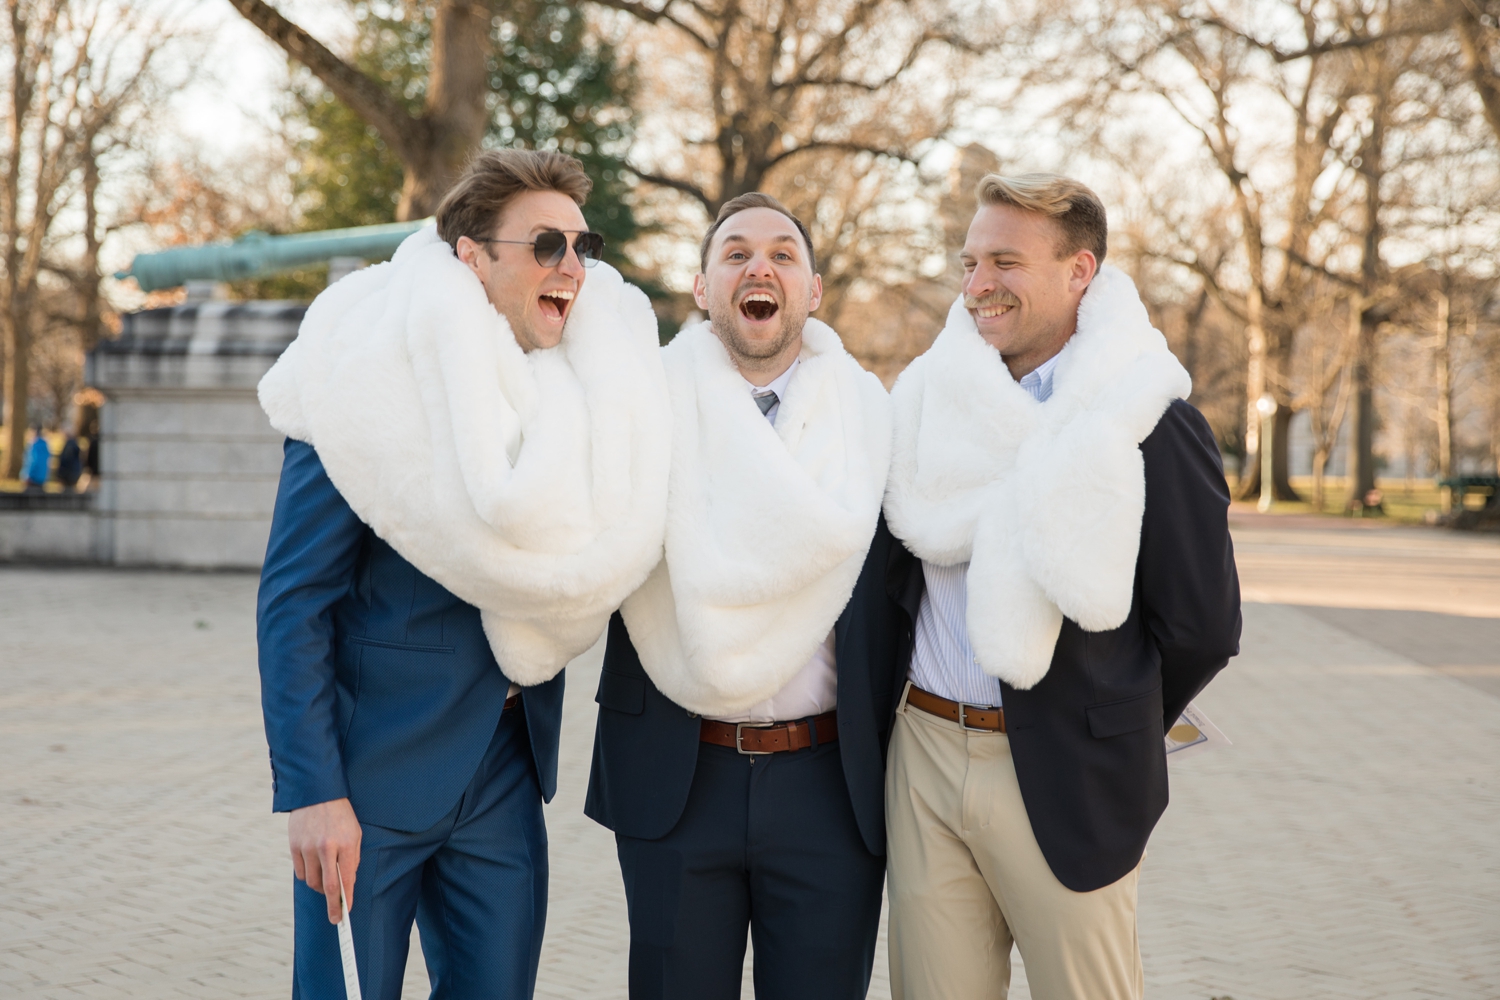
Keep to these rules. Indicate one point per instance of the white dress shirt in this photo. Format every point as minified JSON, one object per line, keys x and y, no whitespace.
{"x":942,"y":659}
{"x":814,"y":689}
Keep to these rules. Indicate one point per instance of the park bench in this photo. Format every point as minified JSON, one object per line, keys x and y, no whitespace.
{"x":1463,"y":484}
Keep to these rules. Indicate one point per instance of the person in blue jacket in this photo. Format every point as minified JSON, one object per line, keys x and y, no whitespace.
{"x":38,"y":461}
{"x":423,"y":566}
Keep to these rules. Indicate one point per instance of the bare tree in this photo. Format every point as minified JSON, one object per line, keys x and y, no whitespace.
{"x":76,"y":70}
{"x":781,"y":81}
{"x":1477,"y":25}
{"x":1326,"y":354}
{"x":1295,"y":110}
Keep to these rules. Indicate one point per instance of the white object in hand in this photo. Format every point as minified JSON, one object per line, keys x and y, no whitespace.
{"x":346,"y":944}
{"x":1192,"y":732}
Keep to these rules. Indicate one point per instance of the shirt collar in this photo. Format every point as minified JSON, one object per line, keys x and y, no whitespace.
{"x":778,"y":384}
{"x":1039,"y":382}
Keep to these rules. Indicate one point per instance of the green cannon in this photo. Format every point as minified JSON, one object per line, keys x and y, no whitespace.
{"x":256,"y":255}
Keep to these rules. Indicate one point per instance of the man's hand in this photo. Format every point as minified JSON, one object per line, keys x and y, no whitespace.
{"x":325,"y":843}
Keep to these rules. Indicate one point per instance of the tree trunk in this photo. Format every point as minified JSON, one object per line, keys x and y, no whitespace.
{"x":1281,"y":462}
{"x":433,"y":147}
{"x":1255,"y":388}
{"x":1319,"y":464}
{"x":13,"y":312}
{"x":1362,"y":417}
{"x":17,"y":384}
{"x":93,"y":300}
{"x":1362,"y":438}
{"x":456,"y":112}
{"x":1443,"y":376}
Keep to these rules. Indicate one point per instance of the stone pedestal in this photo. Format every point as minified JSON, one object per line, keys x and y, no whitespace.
{"x":188,"y":462}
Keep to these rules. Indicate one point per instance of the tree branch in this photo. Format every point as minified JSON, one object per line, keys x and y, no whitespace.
{"x":1476,"y":60}
{"x":847,"y":147}
{"x":653,"y":16}
{"x":365,"y":97}
{"x":1333,"y":276}
{"x":802,"y":79}
{"x":1353,"y":41}
{"x":686,"y":187}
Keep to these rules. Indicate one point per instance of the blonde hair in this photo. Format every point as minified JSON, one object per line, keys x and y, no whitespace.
{"x":1077,"y":211}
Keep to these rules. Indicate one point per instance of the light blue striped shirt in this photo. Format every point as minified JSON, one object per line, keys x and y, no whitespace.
{"x":942,"y":659}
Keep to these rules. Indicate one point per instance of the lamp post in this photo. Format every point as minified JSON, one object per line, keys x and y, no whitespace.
{"x":1266,"y":407}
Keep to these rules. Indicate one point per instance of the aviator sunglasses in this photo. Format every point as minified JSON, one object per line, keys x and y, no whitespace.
{"x":550,"y":247}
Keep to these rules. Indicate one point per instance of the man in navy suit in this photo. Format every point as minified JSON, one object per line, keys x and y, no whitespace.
{"x":748,"y":688}
{"x":408,"y":760}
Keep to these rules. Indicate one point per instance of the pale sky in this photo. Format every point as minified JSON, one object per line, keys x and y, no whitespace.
{"x":243,"y":73}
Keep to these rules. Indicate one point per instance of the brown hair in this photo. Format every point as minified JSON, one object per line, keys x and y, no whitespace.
{"x":1077,"y":211}
{"x":493,"y":177}
{"x":754,"y":199}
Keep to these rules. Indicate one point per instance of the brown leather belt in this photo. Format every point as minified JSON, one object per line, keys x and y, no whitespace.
{"x":990,"y":720}
{"x":753,"y":738}
{"x":512,"y":702}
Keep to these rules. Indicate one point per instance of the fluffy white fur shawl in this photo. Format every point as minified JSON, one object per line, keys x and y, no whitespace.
{"x":767,"y":527}
{"x":1043,"y":500}
{"x":530,"y":485}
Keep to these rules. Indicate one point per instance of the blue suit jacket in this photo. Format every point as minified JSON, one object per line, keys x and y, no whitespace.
{"x":646,"y":745}
{"x":376,"y":682}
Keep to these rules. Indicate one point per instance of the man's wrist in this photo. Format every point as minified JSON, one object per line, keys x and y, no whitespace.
{"x":286,"y":803}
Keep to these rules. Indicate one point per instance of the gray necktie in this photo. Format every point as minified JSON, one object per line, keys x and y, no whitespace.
{"x":766,"y":400}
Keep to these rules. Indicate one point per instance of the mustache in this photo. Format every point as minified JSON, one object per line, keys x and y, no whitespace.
{"x":754,"y":286}
{"x":993,"y":299}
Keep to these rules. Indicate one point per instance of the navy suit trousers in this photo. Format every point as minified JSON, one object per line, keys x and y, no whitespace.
{"x":476,"y":883}
{"x":767,"y":844}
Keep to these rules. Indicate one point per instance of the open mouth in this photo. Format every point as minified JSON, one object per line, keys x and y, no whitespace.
{"x":758,"y":306}
{"x":554,"y":304}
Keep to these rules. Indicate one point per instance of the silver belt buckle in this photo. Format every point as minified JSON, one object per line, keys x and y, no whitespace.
{"x":739,"y":738}
{"x":963,"y":717}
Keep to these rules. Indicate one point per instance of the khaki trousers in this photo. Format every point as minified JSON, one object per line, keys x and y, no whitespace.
{"x":966,"y":880}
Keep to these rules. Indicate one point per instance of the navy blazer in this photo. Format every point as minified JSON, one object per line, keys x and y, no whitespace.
{"x":1087,"y":739}
{"x":646,"y":745}
{"x":376,"y":682}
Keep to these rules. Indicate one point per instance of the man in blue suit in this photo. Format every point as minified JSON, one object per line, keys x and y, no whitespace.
{"x":410,"y":761}
{"x":748,"y":688}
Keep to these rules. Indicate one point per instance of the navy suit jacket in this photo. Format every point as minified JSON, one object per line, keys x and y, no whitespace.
{"x":376,"y":682}
{"x":646,"y":745}
{"x":1087,"y":739}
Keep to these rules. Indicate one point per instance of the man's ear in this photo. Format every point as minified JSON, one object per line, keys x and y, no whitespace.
{"x":468,"y":251}
{"x":700,"y":291}
{"x":1081,"y":272}
{"x":817,"y":293}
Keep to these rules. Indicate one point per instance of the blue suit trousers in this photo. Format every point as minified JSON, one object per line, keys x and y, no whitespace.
{"x":475,"y":882}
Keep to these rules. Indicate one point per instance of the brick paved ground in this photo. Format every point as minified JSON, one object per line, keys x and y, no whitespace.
{"x":1343,"y":847}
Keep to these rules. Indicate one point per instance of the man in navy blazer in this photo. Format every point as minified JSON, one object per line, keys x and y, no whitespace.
{"x":407,"y":758}
{"x":748,"y":688}
{"x":1075,"y":589}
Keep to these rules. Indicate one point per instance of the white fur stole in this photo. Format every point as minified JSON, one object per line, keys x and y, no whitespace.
{"x":1043,"y":500}
{"x":767,"y":527}
{"x":532,"y":486}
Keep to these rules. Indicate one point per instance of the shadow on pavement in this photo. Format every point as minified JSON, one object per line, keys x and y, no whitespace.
{"x":1462,"y":647}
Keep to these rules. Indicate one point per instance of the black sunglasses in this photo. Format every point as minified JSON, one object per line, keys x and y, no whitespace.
{"x":550,"y":247}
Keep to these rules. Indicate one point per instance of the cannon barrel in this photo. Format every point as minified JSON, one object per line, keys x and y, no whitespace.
{"x":256,"y":255}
